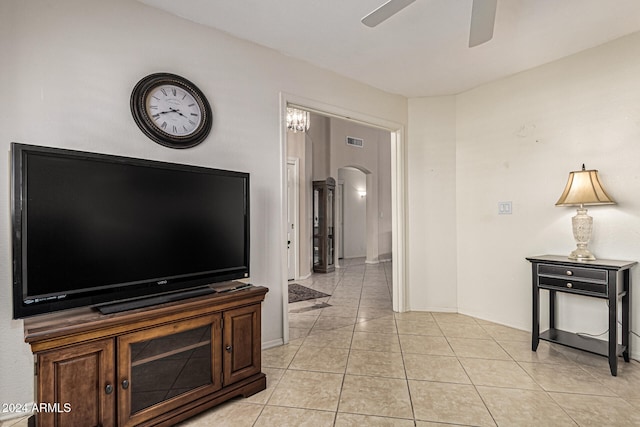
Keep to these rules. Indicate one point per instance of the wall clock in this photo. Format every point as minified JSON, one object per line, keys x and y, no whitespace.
{"x":171,"y":110}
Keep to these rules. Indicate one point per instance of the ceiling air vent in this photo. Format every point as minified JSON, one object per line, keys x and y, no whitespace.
{"x":355,"y":142}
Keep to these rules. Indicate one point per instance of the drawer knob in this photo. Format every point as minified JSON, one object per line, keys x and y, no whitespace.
{"x":569,"y":285}
{"x":569,"y":273}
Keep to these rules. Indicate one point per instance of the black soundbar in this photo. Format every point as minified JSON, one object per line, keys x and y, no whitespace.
{"x":159,"y":299}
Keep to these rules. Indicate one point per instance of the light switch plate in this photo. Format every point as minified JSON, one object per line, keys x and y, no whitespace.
{"x":504,"y":208}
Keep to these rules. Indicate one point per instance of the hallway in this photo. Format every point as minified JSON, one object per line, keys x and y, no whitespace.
{"x":359,"y":292}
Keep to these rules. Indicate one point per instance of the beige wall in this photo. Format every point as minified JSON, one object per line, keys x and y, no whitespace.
{"x":320,"y":134}
{"x":516,"y":140}
{"x":354,"y":231}
{"x":384,"y":197}
{"x":431,"y":225}
{"x":68,"y":70}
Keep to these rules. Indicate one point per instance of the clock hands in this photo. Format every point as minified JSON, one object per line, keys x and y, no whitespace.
{"x":172,"y":110}
{"x":177,"y":111}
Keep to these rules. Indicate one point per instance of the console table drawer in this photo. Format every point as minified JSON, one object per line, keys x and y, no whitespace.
{"x":591,"y":274}
{"x":567,"y":285}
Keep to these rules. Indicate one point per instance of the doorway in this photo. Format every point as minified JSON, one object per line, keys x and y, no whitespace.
{"x":397,"y":187}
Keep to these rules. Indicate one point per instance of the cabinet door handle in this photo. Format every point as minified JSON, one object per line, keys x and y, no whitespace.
{"x":125,"y":384}
{"x":108,"y":389}
{"x":569,"y":285}
{"x":228,"y":348}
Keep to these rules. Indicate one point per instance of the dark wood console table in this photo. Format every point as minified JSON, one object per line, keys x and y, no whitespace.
{"x":606,"y":279}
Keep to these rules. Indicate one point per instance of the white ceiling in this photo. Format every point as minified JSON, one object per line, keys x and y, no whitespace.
{"x":423,"y":50}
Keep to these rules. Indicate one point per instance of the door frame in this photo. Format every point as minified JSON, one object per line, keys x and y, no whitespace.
{"x":295,"y":236}
{"x":339,"y":221}
{"x":398,"y":191}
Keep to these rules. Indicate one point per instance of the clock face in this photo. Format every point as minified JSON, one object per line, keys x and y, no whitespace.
{"x":171,"y":110}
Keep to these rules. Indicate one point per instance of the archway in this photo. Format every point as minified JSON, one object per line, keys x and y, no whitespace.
{"x":352,"y":219}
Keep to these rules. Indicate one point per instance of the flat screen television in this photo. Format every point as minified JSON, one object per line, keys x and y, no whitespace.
{"x":93,"y":229}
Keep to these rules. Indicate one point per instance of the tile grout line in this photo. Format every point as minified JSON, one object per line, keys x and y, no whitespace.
{"x":406,"y":377}
{"x":344,"y":376}
{"x":472,"y":382}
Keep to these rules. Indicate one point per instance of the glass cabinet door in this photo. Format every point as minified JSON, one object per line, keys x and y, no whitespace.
{"x":323,"y":226}
{"x":330,"y":228}
{"x":318,"y":227}
{"x":161,"y":367}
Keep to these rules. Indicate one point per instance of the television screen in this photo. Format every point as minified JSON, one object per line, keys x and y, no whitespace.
{"x":94,"y":228}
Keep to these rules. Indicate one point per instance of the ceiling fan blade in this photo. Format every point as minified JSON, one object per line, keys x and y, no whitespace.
{"x":483,"y":16}
{"x":385,"y":11}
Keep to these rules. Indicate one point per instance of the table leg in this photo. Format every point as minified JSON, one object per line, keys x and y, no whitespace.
{"x":535,"y":324}
{"x":552,"y":309}
{"x":613,"y":325}
{"x":626,"y":302}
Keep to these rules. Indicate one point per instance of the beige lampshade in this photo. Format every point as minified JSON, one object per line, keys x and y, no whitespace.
{"x":584,"y":188}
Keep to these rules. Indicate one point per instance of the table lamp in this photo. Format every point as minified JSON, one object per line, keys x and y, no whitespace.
{"x":583,"y":189}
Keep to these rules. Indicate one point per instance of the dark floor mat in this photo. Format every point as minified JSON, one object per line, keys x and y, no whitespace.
{"x":302,"y":293}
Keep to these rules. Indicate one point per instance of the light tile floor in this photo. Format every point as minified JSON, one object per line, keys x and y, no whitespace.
{"x":356,"y":363}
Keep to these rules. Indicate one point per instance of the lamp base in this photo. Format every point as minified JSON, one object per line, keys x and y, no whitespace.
{"x":582,"y":226}
{"x":581,"y":254}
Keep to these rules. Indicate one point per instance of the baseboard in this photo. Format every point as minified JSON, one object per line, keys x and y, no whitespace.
{"x":273,"y":343}
{"x":435,"y":309}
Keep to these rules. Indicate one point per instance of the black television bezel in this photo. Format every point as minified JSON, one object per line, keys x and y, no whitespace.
{"x":19,"y":153}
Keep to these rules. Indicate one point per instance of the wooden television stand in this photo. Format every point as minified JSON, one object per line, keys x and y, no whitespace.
{"x":153,"y":366}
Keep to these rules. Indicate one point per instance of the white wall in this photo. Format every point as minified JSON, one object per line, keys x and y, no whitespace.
{"x":354,"y":212}
{"x":384,"y":198}
{"x":431,"y":225}
{"x":320,"y":134}
{"x":68,"y":70}
{"x":517,"y":140}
